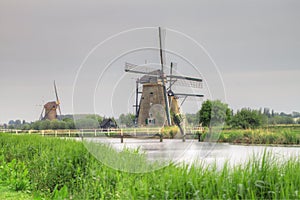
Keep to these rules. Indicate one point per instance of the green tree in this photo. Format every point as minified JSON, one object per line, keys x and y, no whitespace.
{"x":87,"y":123}
{"x":192,"y":119}
{"x":62,"y":125}
{"x":295,"y":114}
{"x":95,"y":117}
{"x":54,"y":124}
{"x":247,"y":118}
{"x":26,"y":127}
{"x":18,"y":124}
{"x":204,"y":114}
{"x":127,"y":120}
{"x":69,"y":123}
{"x":36,"y":125}
{"x":44,"y":125}
{"x":281,"y":120}
{"x":214,"y":113}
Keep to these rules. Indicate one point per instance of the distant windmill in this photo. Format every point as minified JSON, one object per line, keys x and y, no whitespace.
{"x":156,"y":92}
{"x":49,"y":111}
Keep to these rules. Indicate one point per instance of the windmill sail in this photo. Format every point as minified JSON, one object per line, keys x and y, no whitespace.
{"x":158,"y":88}
{"x":57,"y":100}
{"x":50,"y":108}
{"x":41,"y":115}
{"x":162,"y":35}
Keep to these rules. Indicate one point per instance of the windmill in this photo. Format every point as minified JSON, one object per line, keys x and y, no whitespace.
{"x":49,"y":110}
{"x":157,"y":90}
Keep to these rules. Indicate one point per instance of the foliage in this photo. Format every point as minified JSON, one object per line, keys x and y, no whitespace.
{"x":14,"y":173}
{"x":247,"y":118}
{"x":281,"y":120}
{"x":6,"y":193}
{"x":98,"y":118}
{"x":86,"y":123}
{"x":69,"y":123}
{"x":177,"y":118}
{"x":63,"y":169}
{"x":192,"y":119}
{"x":273,"y":135}
{"x":213,"y":113}
{"x":126,"y":120}
{"x":170,"y":131}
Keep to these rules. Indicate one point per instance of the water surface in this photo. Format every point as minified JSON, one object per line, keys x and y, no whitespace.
{"x":192,"y":150}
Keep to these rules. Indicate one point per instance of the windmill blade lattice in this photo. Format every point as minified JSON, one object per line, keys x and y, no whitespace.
{"x":57,"y":100}
{"x":138,"y":69}
{"x":181,"y":82}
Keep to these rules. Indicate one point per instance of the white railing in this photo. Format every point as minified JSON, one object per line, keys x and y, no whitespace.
{"x":123,"y":132}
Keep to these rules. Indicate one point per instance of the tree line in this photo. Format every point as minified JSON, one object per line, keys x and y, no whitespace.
{"x":212,"y":113}
{"x":218,"y":113}
{"x":79,"y":121}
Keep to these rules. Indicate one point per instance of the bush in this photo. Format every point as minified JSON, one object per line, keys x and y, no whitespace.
{"x":170,"y":131}
{"x":247,"y":118}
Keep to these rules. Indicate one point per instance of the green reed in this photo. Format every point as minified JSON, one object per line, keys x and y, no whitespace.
{"x":52,"y":168}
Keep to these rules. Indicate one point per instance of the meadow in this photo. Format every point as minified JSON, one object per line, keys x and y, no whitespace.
{"x":53,"y":168}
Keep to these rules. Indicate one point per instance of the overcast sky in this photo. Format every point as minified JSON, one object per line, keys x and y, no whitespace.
{"x":255,"y":44}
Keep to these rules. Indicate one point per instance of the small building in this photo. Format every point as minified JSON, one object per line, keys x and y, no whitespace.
{"x":108,"y":123}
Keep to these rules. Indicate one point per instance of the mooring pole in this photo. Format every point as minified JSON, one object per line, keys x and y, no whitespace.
{"x":199,"y":137}
{"x":122,"y":136}
{"x":136,"y":101}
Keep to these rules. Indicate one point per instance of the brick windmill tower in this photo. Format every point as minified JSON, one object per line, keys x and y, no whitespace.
{"x":50,"y":108}
{"x":157,"y":95}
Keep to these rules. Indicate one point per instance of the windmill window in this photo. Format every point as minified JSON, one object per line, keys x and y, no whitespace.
{"x":151,"y":92}
{"x":150,"y":121}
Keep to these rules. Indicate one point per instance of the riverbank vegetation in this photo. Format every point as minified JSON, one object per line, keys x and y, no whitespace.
{"x":287,"y":135}
{"x":51,"y":168}
{"x":216,"y":112}
{"x":212,"y":113}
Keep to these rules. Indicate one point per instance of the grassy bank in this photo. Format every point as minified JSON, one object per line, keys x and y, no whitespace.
{"x":51,"y":168}
{"x":271,"y":135}
{"x":7,"y":193}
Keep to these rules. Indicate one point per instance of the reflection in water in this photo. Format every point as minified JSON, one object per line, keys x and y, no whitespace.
{"x":192,"y":151}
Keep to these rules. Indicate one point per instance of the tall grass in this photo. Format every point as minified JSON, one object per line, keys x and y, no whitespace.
{"x":274,"y":135}
{"x":63,"y":169}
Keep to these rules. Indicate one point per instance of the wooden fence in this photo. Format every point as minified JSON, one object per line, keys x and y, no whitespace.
{"x":121,"y":133}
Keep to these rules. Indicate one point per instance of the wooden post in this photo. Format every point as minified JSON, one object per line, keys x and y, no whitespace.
{"x":183,"y":138}
{"x":160,"y":136}
{"x":69,"y":133}
{"x":55,"y":133}
{"x":17,"y":132}
{"x":95,"y":132}
{"x":122,"y":136}
{"x":43,"y":132}
{"x":199,"y":137}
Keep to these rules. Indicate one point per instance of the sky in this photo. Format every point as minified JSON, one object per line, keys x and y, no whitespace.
{"x":250,"y":48}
